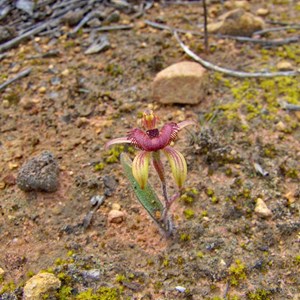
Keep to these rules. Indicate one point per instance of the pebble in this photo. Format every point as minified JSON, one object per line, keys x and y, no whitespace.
{"x":280,"y":126}
{"x":2,"y":272}
{"x":93,"y":274}
{"x":116,"y":216}
{"x":72,"y":18}
{"x":262,"y":12}
{"x":261,"y":209}
{"x":65,"y":72}
{"x":237,"y":22}
{"x":42,"y":90}
{"x":39,"y":174}
{"x":39,"y":285}
{"x":116,"y":206}
{"x":5,"y":103}
{"x":284,"y":66}
{"x":7,"y":33}
{"x":184,"y":82}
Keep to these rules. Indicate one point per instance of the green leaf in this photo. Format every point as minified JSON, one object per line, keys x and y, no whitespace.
{"x":147,"y":196}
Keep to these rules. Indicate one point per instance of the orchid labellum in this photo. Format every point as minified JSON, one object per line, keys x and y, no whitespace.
{"x":151,"y":142}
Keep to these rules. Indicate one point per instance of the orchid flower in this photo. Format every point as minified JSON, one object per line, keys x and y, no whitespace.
{"x":152,"y":142}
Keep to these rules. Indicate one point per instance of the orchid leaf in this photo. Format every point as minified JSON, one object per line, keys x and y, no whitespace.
{"x":146,"y":196}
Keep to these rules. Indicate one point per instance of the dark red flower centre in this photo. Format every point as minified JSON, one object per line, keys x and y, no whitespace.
{"x":152,"y":133}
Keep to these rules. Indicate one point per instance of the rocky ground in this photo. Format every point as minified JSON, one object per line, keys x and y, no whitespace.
{"x":237,"y":219}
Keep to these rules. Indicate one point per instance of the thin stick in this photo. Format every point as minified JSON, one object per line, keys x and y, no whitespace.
{"x":205,"y":26}
{"x":17,"y":77}
{"x":17,"y":40}
{"x":242,"y":39}
{"x":289,"y":106}
{"x":266,"y":43}
{"x":274,"y":29}
{"x":110,"y":28}
{"x":229,"y":72}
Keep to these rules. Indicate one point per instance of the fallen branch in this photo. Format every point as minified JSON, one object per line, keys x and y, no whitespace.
{"x":17,"y":40}
{"x":265,"y":43}
{"x":274,"y":29}
{"x":229,"y":72}
{"x":288,"y":106}
{"x":242,"y":39}
{"x":109,"y":28}
{"x":17,"y":77}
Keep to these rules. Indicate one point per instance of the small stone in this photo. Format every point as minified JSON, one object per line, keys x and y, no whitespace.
{"x":116,"y":216}
{"x":72,"y":18}
{"x":7,"y":33}
{"x":12,"y":165}
{"x":5,"y":103}
{"x":39,"y":174}
{"x":116,"y":206}
{"x":2,"y":272}
{"x":262,"y":12}
{"x":284,"y":66}
{"x":28,"y":103}
{"x":93,"y":274}
{"x":261,"y":209}
{"x":237,"y":22}
{"x":280,"y":126}
{"x":2,"y":185}
{"x":65,"y":72}
{"x":185,"y":82}
{"x":39,"y":285}
{"x":42,"y":90}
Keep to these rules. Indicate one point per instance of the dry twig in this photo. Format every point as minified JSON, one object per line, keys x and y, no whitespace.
{"x":229,"y":72}
{"x":17,"y":77}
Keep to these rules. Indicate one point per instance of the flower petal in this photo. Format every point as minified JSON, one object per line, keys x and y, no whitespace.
{"x":140,"y":167}
{"x":178,"y":165}
{"x":120,"y":140}
{"x":183,"y":124}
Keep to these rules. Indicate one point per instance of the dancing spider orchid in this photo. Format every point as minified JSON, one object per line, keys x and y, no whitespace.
{"x":151,"y":142}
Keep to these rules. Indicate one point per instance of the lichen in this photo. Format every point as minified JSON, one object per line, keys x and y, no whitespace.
{"x":237,"y":272}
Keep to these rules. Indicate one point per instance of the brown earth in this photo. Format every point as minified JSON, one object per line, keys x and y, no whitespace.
{"x":222,"y":247}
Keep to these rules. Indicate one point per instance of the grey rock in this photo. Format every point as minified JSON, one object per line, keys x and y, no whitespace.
{"x":39,"y":174}
{"x":93,"y":274}
{"x":25,"y":5}
{"x":6,"y":33}
{"x":72,"y":18}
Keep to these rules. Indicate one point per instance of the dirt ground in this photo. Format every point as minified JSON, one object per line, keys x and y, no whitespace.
{"x":73,"y":104}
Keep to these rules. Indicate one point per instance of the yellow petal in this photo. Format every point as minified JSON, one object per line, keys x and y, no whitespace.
{"x":178,"y":165}
{"x":140,"y":168}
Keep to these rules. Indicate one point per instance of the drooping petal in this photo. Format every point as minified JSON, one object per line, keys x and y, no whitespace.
{"x":140,"y":168}
{"x":178,"y":165}
{"x":120,"y":140}
{"x":183,"y":124}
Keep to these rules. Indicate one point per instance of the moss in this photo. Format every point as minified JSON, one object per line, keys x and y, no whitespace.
{"x":114,"y":70}
{"x":297,"y":259}
{"x":120,"y":278}
{"x":113,"y":154}
{"x":189,"y":194}
{"x":189,"y":213}
{"x":214,"y":199}
{"x":8,"y":287}
{"x":64,"y":293}
{"x":209,"y":192}
{"x":13,"y":97}
{"x":184,"y":237}
{"x":103,"y":293}
{"x":99,"y":167}
{"x":259,"y":294}
{"x":166,"y":262}
{"x":237,"y":272}
{"x":200,"y":254}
